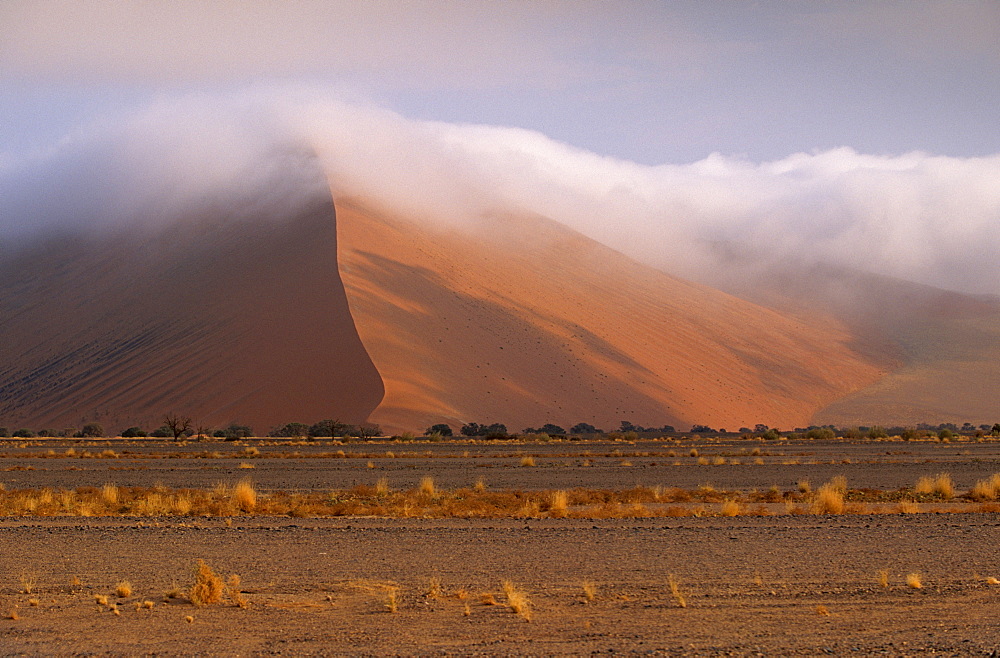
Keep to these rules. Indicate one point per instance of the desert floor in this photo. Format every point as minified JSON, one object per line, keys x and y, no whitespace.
{"x":778,"y":584}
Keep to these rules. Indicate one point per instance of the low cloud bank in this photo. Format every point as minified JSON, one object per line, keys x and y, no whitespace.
{"x":925,"y":218}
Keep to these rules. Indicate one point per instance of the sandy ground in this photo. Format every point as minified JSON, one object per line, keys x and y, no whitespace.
{"x":316,"y":586}
{"x":880,"y":465}
{"x":771,"y":585}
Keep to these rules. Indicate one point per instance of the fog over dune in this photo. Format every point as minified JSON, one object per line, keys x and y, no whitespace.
{"x":927,"y":218}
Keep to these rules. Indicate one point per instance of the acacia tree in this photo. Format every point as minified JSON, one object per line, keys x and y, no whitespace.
{"x":177,"y":425}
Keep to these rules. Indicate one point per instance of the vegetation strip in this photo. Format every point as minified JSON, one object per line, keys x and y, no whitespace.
{"x":935,"y":494}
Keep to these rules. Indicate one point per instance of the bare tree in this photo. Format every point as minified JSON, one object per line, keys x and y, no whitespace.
{"x":177,"y":425}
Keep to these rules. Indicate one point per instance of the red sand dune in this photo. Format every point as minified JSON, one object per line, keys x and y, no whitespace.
{"x":221,"y":318}
{"x":251,"y":318}
{"x":523,"y":321}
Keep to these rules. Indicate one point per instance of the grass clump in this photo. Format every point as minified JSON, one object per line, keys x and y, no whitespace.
{"x":829,"y":498}
{"x":914,"y":581}
{"x":392,"y":599}
{"x":559,"y":504}
{"x":675,"y":591}
{"x":940,"y":485}
{"x":883,"y":578}
{"x":589,"y":591}
{"x":427,"y":486}
{"x":244,"y":496}
{"x":207,"y":587}
{"x":527,"y":461}
{"x":517,"y":600}
{"x":123,"y":589}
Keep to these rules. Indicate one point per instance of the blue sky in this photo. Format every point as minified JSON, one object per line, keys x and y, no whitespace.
{"x":652,"y":82}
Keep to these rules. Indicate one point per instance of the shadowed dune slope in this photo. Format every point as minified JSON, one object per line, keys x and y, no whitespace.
{"x":219,"y":317}
{"x":946,"y":344}
{"x":523,"y":321}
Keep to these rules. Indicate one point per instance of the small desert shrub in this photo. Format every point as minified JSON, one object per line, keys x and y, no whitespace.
{"x":479,"y":486}
{"x":28,"y":581}
{"x":207,"y":587}
{"x":992,"y":581}
{"x":804,"y":487}
{"x":559,"y":504}
{"x":123,"y":589}
{"x":233,"y":592}
{"x":883,"y":578}
{"x":694,"y":452}
{"x":589,"y":591}
{"x":822,"y":610}
{"x":527,"y":460}
{"x":914,"y":581}
{"x":517,"y":600}
{"x":245,"y":496}
{"x":829,"y":500}
{"x":730,"y":508}
{"x":718,"y":461}
{"x":427,"y":485}
{"x":382,"y":486}
{"x":907,"y":507}
{"x":101,"y":599}
{"x":434,"y":588}
{"x":675,"y":591}
{"x":246,"y":465}
{"x":109,"y":493}
{"x":392,"y":599}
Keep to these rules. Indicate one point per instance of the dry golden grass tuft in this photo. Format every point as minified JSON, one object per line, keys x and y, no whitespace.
{"x":34,"y":603}
{"x":730,"y":508}
{"x":382,"y":487}
{"x":480,"y":485}
{"x":883,"y":578}
{"x":245,"y":496}
{"x":487,"y":598}
{"x":940,"y":485}
{"x":189,"y":619}
{"x":207,"y":587}
{"x":914,"y":581}
{"x":434,"y":588}
{"x":28,"y":581}
{"x":675,"y":591}
{"x":907,"y":507}
{"x":527,"y":460}
{"x":589,"y":591}
{"x":828,"y":500}
{"x":822,"y":610}
{"x":517,"y":600}
{"x":109,"y":493}
{"x":123,"y":589}
{"x":693,"y":452}
{"x":147,"y":604}
{"x":559,"y":504}
{"x":392,"y":599}
{"x":101,"y":599}
{"x":427,"y":486}
{"x":246,"y":465}
{"x":234,"y":593}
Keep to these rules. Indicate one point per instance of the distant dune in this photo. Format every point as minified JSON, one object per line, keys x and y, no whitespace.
{"x":229,"y":316}
{"x":524,"y":321}
{"x":240,"y":313}
{"x":944,"y":345}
